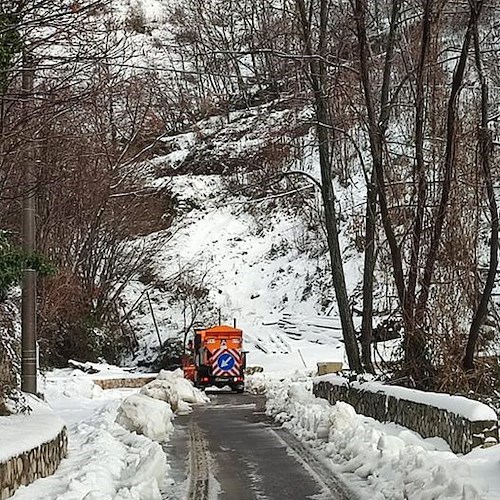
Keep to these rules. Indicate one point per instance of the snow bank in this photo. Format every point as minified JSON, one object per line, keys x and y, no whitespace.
{"x":256,"y":383}
{"x":147,"y":416}
{"x":164,"y":391}
{"x":105,"y":461}
{"x":151,"y":411}
{"x":69,"y":383}
{"x":386,"y":461}
{"x":172,"y":385}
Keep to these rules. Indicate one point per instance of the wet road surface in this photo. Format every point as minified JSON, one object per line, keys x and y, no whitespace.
{"x":230,"y":450}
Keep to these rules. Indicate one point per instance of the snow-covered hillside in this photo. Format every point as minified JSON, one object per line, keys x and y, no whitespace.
{"x":255,"y":253}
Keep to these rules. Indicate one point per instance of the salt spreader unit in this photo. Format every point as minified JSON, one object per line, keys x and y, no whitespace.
{"x":216,"y":358}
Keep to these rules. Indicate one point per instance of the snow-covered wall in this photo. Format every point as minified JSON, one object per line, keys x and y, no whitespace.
{"x":118,"y":383}
{"x":34,"y":442}
{"x":464,"y":424}
{"x":39,"y":462}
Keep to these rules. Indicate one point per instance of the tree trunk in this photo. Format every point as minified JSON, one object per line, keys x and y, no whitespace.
{"x":414,"y":341}
{"x":485,"y":150}
{"x":318,"y":78}
{"x":339,"y":285}
{"x":448,"y":173}
{"x":368,"y":270}
{"x":377,"y":127}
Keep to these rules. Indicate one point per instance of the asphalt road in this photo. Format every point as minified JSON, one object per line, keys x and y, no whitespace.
{"x":229,"y":450}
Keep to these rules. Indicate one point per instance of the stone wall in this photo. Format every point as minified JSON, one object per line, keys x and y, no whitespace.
{"x":119,"y":383}
{"x":39,"y":462}
{"x":461,"y":434}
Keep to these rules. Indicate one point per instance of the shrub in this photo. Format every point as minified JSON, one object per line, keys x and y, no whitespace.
{"x":9,"y":351}
{"x":12,"y":262}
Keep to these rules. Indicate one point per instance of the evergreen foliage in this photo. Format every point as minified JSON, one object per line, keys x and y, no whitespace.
{"x":12,"y":262}
{"x":10,"y":366}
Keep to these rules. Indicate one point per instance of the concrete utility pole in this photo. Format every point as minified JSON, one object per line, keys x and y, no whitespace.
{"x":29,"y":355}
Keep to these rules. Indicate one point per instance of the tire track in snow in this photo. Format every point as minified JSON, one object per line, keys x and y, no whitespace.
{"x":199,"y":464}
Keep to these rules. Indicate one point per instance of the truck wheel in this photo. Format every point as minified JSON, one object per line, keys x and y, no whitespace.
{"x":239,"y":389}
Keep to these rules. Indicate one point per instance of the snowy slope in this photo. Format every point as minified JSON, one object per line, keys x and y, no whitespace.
{"x":256,"y":253}
{"x":251,"y":267}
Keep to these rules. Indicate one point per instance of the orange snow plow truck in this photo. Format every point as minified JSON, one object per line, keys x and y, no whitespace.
{"x":216,"y":357}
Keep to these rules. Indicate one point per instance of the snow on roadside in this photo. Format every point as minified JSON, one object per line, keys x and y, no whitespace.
{"x":147,"y":416}
{"x":106,"y":461}
{"x":172,"y":387}
{"x":382,"y":461}
{"x":40,"y":421}
{"x":151,"y":411}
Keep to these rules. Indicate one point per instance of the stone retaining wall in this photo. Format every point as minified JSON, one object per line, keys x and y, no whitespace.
{"x":461,"y":434}
{"x":120,"y":383}
{"x":39,"y":462}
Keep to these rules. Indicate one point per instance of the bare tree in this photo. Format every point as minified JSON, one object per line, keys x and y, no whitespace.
{"x":485,"y":152}
{"x":377,"y":127}
{"x":89,"y":126}
{"x":317,"y":75}
{"x":427,"y":224}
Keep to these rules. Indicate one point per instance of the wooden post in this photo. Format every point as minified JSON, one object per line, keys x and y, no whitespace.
{"x":154,"y":319}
